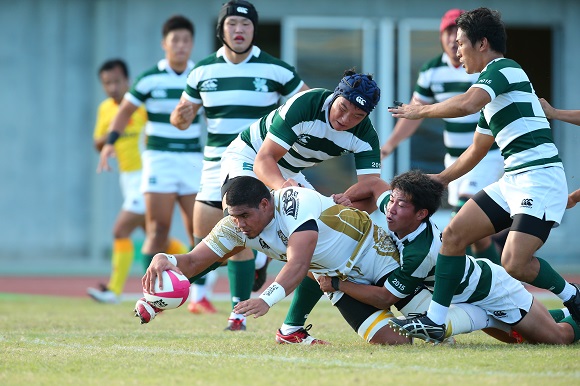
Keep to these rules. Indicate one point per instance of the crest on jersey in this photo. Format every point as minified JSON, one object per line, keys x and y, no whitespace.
{"x":260,"y":85}
{"x":209,"y":85}
{"x":303,"y":139}
{"x":263,"y":244}
{"x":290,"y":203}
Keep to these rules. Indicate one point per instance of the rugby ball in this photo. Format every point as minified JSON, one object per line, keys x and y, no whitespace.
{"x":174,"y":293}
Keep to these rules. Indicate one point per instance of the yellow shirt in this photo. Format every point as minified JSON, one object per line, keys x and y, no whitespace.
{"x":127,"y":146}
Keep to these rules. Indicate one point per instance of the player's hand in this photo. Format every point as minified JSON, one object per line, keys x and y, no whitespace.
{"x":159,"y":264}
{"x":548,"y":109}
{"x":571,"y":202}
{"x":341,"y":199}
{"x":406,"y":111}
{"x":325,"y":283}
{"x":183,"y":114}
{"x":437,"y":178}
{"x":290,"y":182}
{"x":386,"y":150}
{"x":107,"y":151}
{"x":256,"y":307}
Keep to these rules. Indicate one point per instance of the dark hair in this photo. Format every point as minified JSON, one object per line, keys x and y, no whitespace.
{"x":359,"y":89}
{"x":112,"y":64}
{"x":246,"y":190}
{"x":424,"y":192}
{"x":177,"y":22}
{"x":484,"y":23}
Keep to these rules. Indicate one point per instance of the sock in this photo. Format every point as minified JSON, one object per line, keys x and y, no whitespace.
{"x":448,"y":274}
{"x":306,"y":295}
{"x":570,"y":321}
{"x":261,"y":259}
{"x":198,"y":291}
{"x":123,"y":254}
{"x":176,"y":247}
{"x":551,"y":280}
{"x":287,"y":330}
{"x":490,"y":253}
{"x":241,"y":275}
{"x":147,"y":260}
{"x":559,"y":314}
{"x":233,"y":316}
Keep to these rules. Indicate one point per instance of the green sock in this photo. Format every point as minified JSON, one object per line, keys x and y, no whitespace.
{"x":147,"y":260}
{"x":548,"y":278}
{"x":557,"y":315}
{"x":306,"y":295}
{"x":448,"y":274}
{"x":490,"y":253}
{"x":574,"y":325}
{"x":241,"y":275}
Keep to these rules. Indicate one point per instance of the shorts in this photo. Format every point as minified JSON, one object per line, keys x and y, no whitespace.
{"x":238,"y":160}
{"x":486,"y":172}
{"x":133,"y":199}
{"x":541,"y":193}
{"x":210,"y":186}
{"x":507,"y":300}
{"x":171,"y":172}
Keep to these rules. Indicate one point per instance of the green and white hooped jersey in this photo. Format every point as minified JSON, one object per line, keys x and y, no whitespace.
{"x":160,"y":88}
{"x":419,"y":251}
{"x":515,"y":118}
{"x":236,"y":95}
{"x":438,"y":81}
{"x":345,"y":234}
{"x":301,"y":126}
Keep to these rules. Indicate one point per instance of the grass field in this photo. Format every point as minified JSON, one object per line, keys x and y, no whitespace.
{"x":73,"y":341}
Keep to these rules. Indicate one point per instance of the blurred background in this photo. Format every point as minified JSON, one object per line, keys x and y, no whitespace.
{"x":56,"y":212}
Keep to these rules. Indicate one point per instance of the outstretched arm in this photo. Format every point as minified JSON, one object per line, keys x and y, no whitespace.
{"x":364,"y":194}
{"x":570,"y":116}
{"x":402,"y":130}
{"x":376,"y":296}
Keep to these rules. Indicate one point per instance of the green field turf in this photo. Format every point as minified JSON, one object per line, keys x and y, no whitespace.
{"x":74,"y":341}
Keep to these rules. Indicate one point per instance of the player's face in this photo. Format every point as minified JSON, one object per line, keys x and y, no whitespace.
{"x":402,"y":218}
{"x":178,"y":45}
{"x":449,"y":44}
{"x":238,"y":32}
{"x":251,"y":221}
{"x":114,"y":83}
{"x":344,"y":115}
{"x":468,"y":55}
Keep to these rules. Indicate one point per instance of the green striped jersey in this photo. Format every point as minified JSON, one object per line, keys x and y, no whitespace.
{"x":438,"y":81}
{"x":301,"y":126}
{"x":418,"y":256}
{"x":515,"y":118}
{"x":235,"y":95}
{"x":160,"y":88}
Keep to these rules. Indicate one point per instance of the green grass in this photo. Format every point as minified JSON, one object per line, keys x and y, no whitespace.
{"x":72,"y":341}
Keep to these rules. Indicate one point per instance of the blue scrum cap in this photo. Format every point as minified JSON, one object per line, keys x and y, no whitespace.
{"x":359,"y":89}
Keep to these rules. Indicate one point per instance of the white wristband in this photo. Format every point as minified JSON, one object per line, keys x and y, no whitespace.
{"x":172,"y":259}
{"x":273,"y":294}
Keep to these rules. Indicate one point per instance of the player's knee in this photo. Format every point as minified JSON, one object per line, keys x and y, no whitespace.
{"x":453,"y":236}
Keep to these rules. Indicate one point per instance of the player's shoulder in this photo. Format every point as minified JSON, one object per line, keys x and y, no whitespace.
{"x":434,"y":62}
{"x":209,"y":60}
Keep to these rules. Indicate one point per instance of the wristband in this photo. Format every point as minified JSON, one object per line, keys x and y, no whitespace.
{"x":334,"y":282}
{"x":112,"y":137}
{"x":273,"y":294}
{"x":172,"y":259}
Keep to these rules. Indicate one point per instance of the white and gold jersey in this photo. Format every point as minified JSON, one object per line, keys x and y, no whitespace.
{"x":349,"y":243}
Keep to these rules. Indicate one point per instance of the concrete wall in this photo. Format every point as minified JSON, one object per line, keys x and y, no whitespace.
{"x":53,"y":204}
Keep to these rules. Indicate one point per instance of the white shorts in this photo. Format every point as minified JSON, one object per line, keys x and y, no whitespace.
{"x":507,"y":296}
{"x":171,"y":172}
{"x":541,"y":193}
{"x":210,"y":187}
{"x":133,"y":200}
{"x":486,"y":172}
{"x":238,"y":160}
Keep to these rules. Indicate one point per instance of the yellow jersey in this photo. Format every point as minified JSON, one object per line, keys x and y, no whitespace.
{"x":127,"y":146}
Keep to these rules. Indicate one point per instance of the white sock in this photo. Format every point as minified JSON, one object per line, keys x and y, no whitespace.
{"x":233,"y":316}
{"x":437,"y":313}
{"x":261,"y":259}
{"x":287,"y":330}
{"x":568,"y":292}
{"x":197,"y":292}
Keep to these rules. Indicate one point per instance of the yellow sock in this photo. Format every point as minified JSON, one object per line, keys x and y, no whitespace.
{"x":123,"y":254}
{"x":176,"y":247}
